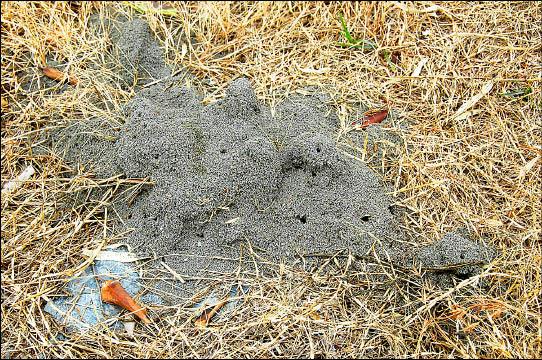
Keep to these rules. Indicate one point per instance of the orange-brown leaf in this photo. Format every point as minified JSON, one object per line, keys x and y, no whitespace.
{"x":58,"y":75}
{"x":374,"y":118}
{"x":113,"y":293}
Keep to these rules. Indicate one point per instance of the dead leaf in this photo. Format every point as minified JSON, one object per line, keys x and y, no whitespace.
{"x":473,"y":100}
{"x":129,"y":326}
{"x":14,"y":184}
{"x":113,"y":293}
{"x":413,"y":10}
{"x":123,"y":257}
{"x":430,"y":10}
{"x":420,"y":66}
{"x":528,"y":167}
{"x":58,"y":75}
{"x":373,"y":116}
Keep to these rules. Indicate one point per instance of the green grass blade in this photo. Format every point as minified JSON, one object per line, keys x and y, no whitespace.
{"x":346,"y":32}
{"x":518,"y":92}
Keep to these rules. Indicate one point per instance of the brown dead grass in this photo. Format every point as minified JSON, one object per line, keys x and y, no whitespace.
{"x":481,"y":172}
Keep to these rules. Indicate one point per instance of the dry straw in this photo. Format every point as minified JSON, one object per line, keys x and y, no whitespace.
{"x":474,"y":160}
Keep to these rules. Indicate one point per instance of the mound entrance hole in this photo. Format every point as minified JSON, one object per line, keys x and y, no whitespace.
{"x":302,"y":218}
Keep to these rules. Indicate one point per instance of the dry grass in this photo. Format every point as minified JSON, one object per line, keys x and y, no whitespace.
{"x":481,"y":172}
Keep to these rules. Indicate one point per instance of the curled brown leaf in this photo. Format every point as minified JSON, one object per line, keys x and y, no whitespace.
{"x":113,"y":293}
{"x":373,"y":116}
{"x":58,"y":75}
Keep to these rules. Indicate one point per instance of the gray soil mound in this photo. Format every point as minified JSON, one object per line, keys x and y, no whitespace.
{"x":139,"y":53}
{"x":230,"y":173}
{"x":453,"y":255}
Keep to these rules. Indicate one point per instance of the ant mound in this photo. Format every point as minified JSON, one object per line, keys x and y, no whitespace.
{"x":232,"y":174}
